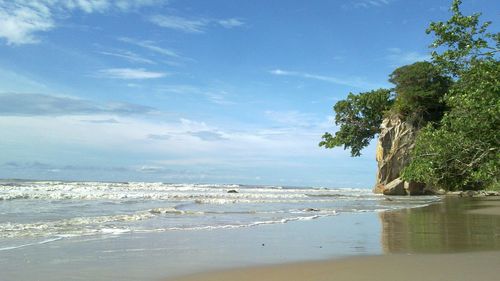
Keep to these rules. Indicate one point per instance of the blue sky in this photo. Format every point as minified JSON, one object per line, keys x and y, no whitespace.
{"x":215,"y":91}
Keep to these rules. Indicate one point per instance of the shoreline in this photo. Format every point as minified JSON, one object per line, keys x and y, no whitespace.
{"x":455,"y":239}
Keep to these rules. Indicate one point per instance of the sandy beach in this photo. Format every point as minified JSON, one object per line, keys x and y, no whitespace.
{"x":457,"y":239}
{"x":461,"y":267}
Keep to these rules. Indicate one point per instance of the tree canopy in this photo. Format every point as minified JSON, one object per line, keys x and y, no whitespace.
{"x":463,"y":153}
{"x":419,"y":89}
{"x":416,"y":97}
{"x":359,"y":117}
{"x":462,"y":40}
{"x":455,"y":99}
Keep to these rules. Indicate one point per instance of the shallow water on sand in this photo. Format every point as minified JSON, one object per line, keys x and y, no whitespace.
{"x":447,"y":227}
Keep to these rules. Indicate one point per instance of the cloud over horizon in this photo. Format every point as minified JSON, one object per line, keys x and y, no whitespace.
{"x":25,"y":104}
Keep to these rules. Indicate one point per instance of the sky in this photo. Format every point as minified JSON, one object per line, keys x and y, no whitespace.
{"x":187,"y":91}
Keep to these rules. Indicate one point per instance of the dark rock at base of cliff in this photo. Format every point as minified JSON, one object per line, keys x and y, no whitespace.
{"x":433,"y":191}
{"x":415,"y":188}
{"x":477,"y":193}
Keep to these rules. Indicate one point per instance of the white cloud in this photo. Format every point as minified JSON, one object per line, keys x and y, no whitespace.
{"x":355,"y":82}
{"x":398,"y":57}
{"x":130,"y":73}
{"x":99,"y":6}
{"x":126,"y":5}
{"x":365,"y":4}
{"x":230,"y":23}
{"x":194,"y":25}
{"x":23,"y":104}
{"x":179,"y":23}
{"x":208,"y":135}
{"x":215,"y":96}
{"x":88,"y":6}
{"x":198,"y":148}
{"x":292,"y":118}
{"x":183,"y":137}
{"x":18,"y":23}
{"x":127,"y":55}
{"x":159,"y":136}
{"x":102,"y":121}
{"x":179,"y":89}
{"x":330,"y":79}
{"x":218,"y":97}
{"x":150,"y":45}
{"x":21,"y":20}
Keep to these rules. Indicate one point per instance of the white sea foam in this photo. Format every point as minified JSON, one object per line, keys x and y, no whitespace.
{"x":174,"y":210}
{"x":233,"y":226}
{"x":119,"y":231}
{"x":160,"y":191}
{"x":75,"y":226}
{"x":79,"y":226}
{"x":114,"y":231}
{"x":31,"y":244}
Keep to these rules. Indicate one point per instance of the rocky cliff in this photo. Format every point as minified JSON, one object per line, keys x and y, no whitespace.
{"x":395,"y":142}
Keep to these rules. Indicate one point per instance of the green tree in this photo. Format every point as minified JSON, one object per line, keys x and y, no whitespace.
{"x":416,"y":98}
{"x":464,"y":152}
{"x":359,"y":117}
{"x":462,"y":40}
{"x":419,"y":89}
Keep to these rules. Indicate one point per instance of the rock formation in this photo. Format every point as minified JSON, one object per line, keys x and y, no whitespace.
{"x":395,"y":142}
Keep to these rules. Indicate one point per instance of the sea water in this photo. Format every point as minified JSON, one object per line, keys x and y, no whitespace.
{"x":38,"y":212}
{"x":102,"y":231}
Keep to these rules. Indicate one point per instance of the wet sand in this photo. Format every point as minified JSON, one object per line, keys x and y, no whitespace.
{"x":156,"y":256}
{"x":458,"y":239}
{"x":456,"y":267}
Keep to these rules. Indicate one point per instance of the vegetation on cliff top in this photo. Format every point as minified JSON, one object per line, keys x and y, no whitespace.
{"x":359,"y":117}
{"x":455,"y":99}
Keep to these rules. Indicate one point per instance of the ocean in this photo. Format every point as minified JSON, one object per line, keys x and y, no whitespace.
{"x":40,"y":220}
{"x":47,"y":211}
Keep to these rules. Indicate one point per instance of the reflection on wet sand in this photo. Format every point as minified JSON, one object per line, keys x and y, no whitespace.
{"x":453,"y":225}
